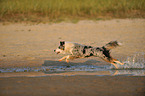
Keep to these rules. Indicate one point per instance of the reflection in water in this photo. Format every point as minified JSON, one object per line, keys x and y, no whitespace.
{"x":128,"y":72}
{"x":76,"y":70}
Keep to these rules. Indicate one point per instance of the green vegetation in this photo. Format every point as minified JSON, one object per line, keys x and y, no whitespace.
{"x":59,"y":10}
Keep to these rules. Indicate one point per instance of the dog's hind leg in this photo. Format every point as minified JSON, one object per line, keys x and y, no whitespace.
{"x":106,"y":53}
{"x":111,"y":60}
{"x":114,"y":65}
{"x":117,"y":62}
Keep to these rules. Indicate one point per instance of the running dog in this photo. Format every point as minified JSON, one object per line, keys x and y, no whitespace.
{"x":76,"y":50}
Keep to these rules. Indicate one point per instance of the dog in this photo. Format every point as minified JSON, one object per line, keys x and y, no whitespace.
{"x":76,"y":50}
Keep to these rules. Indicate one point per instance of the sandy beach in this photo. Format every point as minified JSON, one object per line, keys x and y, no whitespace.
{"x":32,"y":45}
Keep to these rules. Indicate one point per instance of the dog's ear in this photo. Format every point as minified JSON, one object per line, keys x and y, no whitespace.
{"x":62,"y":43}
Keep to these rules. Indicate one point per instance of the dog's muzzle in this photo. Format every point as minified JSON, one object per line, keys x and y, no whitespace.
{"x":56,"y":52}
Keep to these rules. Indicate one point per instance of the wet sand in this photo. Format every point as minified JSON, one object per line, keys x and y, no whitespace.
{"x":73,"y":86}
{"x":23,"y":45}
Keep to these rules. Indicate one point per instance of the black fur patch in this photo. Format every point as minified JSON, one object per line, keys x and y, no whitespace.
{"x":106,"y":53}
{"x":62,"y":47}
{"x":99,"y":49}
{"x":91,"y":54}
{"x":62,"y":43}
{"x":86,"y":47}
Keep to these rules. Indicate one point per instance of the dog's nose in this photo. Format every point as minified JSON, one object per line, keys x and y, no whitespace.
{"x":54,"y":50}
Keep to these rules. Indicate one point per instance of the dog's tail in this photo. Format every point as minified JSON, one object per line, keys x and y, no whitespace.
{"x":112,"y":45}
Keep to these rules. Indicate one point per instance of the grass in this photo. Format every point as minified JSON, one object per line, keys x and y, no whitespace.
{"x":60,"y":10}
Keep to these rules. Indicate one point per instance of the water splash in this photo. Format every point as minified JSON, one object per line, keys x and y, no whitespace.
{"x":137,"y":61}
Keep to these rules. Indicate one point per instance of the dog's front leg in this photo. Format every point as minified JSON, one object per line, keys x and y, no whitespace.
{"x":63,"y":58}
{"x":68,"y":57}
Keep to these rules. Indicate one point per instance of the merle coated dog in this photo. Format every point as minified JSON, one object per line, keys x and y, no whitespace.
{"x":76,"y":50}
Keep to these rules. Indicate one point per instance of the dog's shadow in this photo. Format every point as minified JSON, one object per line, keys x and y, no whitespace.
{"x":63,"y":63}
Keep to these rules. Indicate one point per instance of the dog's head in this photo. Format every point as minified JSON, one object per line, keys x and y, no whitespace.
{"x":61,"y":48}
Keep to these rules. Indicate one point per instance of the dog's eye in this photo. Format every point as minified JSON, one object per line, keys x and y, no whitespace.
{"x":59,"y":47}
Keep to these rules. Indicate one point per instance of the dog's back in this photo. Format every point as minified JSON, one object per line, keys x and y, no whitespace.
{"x":87,"y":51}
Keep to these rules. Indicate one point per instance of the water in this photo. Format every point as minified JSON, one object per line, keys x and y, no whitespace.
{"x":137,"y":61}
{"x":133,"y":65}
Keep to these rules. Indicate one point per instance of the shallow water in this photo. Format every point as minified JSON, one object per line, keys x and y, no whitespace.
{"x":133,"y":66}
{"x":74,"y":70}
